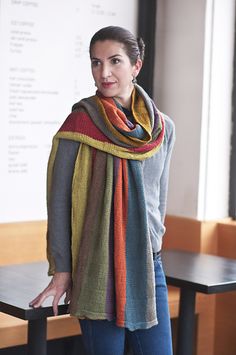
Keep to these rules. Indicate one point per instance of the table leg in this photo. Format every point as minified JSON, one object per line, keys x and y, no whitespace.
{"x":186,"y":322}
{"x":37,"y":337}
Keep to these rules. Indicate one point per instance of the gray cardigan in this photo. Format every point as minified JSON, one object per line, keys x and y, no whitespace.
{"x":155,"y":170}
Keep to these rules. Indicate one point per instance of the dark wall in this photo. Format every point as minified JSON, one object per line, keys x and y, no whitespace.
{"x":147,"y":30}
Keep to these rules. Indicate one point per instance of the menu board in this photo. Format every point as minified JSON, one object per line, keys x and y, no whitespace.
{"x":44,"y":70}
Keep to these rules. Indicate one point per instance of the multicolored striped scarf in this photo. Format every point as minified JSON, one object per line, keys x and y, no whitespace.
{"x":112,"y":259}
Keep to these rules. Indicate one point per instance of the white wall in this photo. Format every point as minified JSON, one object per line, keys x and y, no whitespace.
{"x":44,"y":70}
{"x":187,"y":87}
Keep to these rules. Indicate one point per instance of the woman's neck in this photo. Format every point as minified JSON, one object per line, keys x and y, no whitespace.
{"x":125,"y":100}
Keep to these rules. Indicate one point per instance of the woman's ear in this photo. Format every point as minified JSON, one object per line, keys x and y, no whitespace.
{"x":137,"y":67}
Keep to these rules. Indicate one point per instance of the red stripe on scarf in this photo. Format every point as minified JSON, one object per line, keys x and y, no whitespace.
{"x":120,"y":214}
{"x":80,"y":122}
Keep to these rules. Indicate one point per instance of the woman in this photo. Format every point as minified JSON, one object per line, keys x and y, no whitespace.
{"x":107,"y":186}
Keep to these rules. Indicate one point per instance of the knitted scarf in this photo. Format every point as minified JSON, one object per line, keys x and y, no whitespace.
{"x":112,"y":260}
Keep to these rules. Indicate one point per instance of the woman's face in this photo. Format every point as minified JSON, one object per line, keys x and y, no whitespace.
{"x":112,"y":70}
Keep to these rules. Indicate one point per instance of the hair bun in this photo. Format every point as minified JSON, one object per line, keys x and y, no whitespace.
{"x":141,"y":46}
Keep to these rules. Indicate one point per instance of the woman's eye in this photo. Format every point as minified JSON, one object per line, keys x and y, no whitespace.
{"x":115,"y":61}
{"x":95,"y":63}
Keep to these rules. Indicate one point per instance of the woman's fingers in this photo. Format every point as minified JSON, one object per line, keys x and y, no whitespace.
{"x":60,"y":283}
{"x":55,"y":302}
{"x":38,"y":301}
{"x":68,"y":296}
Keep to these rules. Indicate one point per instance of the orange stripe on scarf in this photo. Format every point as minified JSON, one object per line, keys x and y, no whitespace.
{"x":116,"y":116}
{"x":120,"y":217}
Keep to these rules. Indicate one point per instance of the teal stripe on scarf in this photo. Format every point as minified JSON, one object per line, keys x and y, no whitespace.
{"x":139,"y":255}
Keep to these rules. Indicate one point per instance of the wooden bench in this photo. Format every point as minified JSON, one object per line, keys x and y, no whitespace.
{"x":13,"y":331}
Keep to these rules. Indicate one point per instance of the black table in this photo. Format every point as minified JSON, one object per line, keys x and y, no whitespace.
{"x":194,"y":272}
{"x":191,"y":272}
{"x":20,"y":284}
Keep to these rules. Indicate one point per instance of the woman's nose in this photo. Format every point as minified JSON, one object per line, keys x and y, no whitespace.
{"x":106,"y":71}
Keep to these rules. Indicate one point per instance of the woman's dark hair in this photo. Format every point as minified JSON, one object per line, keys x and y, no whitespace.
{"x":134,"y":47}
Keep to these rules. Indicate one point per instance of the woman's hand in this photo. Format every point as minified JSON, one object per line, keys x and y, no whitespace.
{"x":60,"y":284}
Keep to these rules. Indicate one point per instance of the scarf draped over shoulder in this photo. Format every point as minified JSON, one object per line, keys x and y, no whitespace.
{"x":112,"y":260}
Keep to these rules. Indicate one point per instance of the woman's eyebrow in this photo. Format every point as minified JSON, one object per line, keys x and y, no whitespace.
{"x":112,"y":56}
{"x":115,"y":55}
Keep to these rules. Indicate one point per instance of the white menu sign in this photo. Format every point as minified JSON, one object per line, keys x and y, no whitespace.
{"x":44,"y":69}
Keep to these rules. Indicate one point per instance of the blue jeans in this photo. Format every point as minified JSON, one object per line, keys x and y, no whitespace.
{"x":102,"y":337}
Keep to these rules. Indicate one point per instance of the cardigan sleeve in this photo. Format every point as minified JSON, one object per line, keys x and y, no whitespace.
{"x":59,"y":209}
{"x":156,"y":175}
{"x":165,"y":173}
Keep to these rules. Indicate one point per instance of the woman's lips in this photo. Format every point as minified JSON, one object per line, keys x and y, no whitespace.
{"x":107,"y":85}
